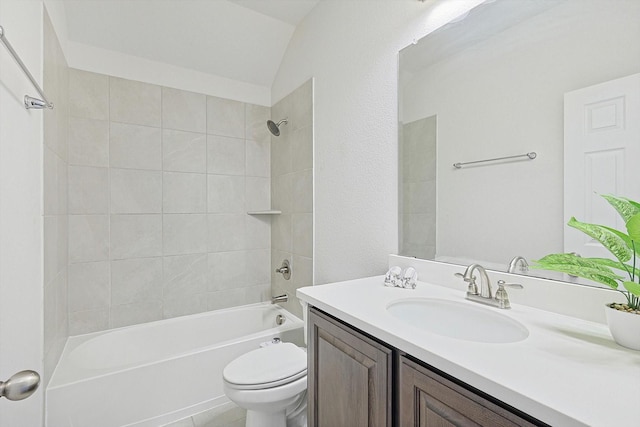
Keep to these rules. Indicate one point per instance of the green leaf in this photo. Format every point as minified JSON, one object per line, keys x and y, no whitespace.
{"x":633,"y":228}
{"x":625,"y":207}
{"x":571,"y":259}
{"x":617,"y":265}
{"x":632,"y":287}
{"x":625,"y":237}
{"x":587,"y":273}
{"x":582,"y":267}
{"x":611,"y":241}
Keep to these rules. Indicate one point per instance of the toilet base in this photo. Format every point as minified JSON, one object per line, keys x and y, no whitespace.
{"x":266,"y":419}
{"x":293,"y":416}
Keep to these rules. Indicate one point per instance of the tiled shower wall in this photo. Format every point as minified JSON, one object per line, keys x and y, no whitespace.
{"x":56,"y":78}
{"x":160,"y":181}
{"x":292,"y":193}
{"x":418,"y":188}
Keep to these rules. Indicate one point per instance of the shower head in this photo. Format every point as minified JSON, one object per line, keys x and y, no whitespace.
{"x":274,"y":128}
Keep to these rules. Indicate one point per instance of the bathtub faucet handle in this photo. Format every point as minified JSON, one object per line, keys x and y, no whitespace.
{"x":285,"y":269}
{"x":280,"y":298}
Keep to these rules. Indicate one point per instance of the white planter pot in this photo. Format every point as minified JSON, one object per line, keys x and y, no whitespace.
{"x":624,"y":327}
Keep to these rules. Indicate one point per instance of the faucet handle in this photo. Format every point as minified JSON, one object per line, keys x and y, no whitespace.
{"x":472,"y":288}
{"x":501,"y":294}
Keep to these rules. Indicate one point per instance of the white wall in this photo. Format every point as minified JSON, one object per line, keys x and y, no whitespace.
{"x":351,"y":49}
{"x":21,"y":271}
{"x":117,"y":64}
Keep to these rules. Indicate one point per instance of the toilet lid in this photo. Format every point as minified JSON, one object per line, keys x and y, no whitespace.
{"x":267,"y":365}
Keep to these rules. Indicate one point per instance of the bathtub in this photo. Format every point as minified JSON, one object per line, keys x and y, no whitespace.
{"x":153,"y":374}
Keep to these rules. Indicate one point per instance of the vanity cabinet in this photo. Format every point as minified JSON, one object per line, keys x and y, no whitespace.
{"x":428,"y":399}
{"x":355,"y":380}
{"x":349,"y":376}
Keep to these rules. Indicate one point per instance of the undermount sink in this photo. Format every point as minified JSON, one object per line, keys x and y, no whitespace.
{"x":458,"y":320}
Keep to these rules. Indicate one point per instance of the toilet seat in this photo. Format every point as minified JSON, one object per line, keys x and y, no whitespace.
{"x":267,"y":367}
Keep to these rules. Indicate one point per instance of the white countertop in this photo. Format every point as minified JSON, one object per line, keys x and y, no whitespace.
{"x":567,"y":372}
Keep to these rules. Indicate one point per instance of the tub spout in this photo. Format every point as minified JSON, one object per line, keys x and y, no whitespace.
{"x":280,"y":298}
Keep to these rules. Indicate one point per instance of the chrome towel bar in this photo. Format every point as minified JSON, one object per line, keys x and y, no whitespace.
{"x":532,"y":155}
{"x":29,"y":102}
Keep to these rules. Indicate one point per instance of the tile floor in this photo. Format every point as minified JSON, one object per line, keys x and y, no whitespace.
{"x":227,"y":415}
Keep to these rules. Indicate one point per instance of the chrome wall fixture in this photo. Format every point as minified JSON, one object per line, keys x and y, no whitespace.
{"x":285,"y":269}
{"x":532,"y":155}
{"x":29,"y":102}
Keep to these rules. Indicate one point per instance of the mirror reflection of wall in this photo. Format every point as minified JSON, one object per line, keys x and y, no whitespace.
{"x":418,"y":188}
{"x":496,"y":82}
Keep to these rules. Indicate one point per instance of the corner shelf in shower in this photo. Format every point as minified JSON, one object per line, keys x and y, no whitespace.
{"x":271,"y":212}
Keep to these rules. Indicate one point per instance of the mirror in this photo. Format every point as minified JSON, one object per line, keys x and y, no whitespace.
{"x":493,"y":85}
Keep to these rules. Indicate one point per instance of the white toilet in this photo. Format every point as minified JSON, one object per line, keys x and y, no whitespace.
{"x":271,"y":384}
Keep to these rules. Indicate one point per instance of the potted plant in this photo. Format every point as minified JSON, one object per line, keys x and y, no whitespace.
{"x":623,"y":319}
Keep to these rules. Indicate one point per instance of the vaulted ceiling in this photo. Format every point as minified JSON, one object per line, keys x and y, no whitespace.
{"x":242,"y":40}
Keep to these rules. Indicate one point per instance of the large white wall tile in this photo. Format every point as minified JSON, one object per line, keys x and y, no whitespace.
{"x":302,"y":149}
{"x":184,"y":192}
{"x":281,"y":192}
{"x":50,"y":248}
{"x":225,"y":156}
{"x":302,"y":226}
{"x":227,"y":270}
{"x":225,"y":117}
{"x":302,"y":191}
{"x":258,"y":293}
{"x":88,"y":95}
{"x":226,"y":232}
{"x":88,"y":285}
{"x":134,"y":236}
{"x":133,"y":280}
{"x":256,"y":123}
{"x":184,"y":151}
{"x":135,"y":191}
{"x":135,"y":102}
{"x":134,"y":313}
{"x":88,"y":190}
{"x":52,"y":171}
{"x":85,"y":322}
{"x":303,"y":268}
{"x":257,"y":193}
{"x":185,"y":275}
{"x":183,"y":305}
{"x":183,"y":110}
{"x":225,"y":194}
{"x":88,"y":238}
{"x":281,"y":157}
{"x":281,"y":233}
{"x":258,"y":231}
{"x":258,"y":267}
{"x":88,"y":142}
{"x":135,"y":147}
{"x":184,"y":234}
{"x":226,"y":298}
{"x":258,"y":158}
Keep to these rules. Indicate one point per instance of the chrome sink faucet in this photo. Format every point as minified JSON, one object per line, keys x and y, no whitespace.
{"x":518,"y":265}
{"x":485,"y":283}
{"x":485,"y":296}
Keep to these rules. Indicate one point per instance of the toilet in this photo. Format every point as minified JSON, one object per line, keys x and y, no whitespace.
{"x":271,"y":384}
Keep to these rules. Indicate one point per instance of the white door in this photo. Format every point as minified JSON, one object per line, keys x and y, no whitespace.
{"x":21,"y":271}
{"x":601,"y":154}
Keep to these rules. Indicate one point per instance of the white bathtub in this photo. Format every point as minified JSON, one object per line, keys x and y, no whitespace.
{"x":156,"y":373}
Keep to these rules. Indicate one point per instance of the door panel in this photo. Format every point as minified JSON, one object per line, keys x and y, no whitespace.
{"x":601,"y":149}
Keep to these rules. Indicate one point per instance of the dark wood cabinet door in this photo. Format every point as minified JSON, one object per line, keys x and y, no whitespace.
{"x":430,"y":400}
{"x":349,"y":376}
